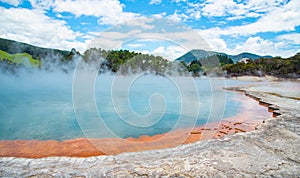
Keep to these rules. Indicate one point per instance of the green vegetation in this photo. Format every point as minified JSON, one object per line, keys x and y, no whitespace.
{"x":125,"y":62}
{"x":114,"y":59}
{"x":38,"y":53}
{"x":224,"y":60}
{"x":19,"y":58}
{"x":195,"y":67}
{"x":207,"y":64}
{"x":277,"y":66}
{"x":14,"y":55}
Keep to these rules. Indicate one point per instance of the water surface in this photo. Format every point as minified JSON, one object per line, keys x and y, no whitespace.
{"x":41,"y":106}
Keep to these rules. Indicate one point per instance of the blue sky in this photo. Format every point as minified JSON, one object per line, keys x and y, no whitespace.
{"x":161,"y":27}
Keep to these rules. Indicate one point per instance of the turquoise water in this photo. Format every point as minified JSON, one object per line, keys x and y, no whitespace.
{"x":40,"y":106}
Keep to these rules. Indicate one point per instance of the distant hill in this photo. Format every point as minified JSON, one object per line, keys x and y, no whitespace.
{"x":13,"y":47}
{"x":197,"y":54}
{"x":15,"y":55}
{"x":240,"y":56}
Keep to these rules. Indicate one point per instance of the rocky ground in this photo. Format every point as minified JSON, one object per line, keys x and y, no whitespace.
{"x":270,"y":150}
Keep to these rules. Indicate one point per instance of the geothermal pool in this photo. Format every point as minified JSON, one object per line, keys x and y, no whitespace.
{"x":41,"y":106}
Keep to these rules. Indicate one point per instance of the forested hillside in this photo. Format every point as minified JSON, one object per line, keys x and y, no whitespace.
{"x":15,"y":55}
{"x":36,"y":52}
{"x":277,"y":66}
{"x":129,"y":62}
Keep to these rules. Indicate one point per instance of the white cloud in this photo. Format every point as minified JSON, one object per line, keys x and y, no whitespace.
{"x":111,"y":39}
{"x":284,"y":18}
{"x":12,"y":2}
{"x":256,"y":45}
{"x":188,"y":39}
{"x":159,"y":50}
{"x":261,"y":46}
{"x":129,"y":19}
{"x":194,"y":14}
{"x":178,"y":1}
{"x":217,"y":7}
{"x":174,"y":52}
{"x":155,"y":1}
{"x":159,"y":16}
{"x":42,"y":4}
{"x":109,"y":12}
{"x":105,"y":43}
{"x":293,"y":37}
{"x":185,"y":41}
{"x":237,"y":10}
{"x":264,"y":6}
{"x":177,"y":17}
{"x":136,"y":45}
{"x":98,"y":8}
{"x":213,"y":40}
{"x":176,"y":42}
{"x":217,"y":44}
{"x":34,"y":27}
{"x":169,"y":52}
{"x":209,"y":39}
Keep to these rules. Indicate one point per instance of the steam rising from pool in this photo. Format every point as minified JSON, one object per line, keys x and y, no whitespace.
{"x":39,"y":105}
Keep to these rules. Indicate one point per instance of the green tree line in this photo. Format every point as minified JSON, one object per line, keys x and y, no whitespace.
{"x":277,"y":66}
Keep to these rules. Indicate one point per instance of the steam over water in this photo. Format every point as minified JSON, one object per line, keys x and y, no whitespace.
{"x":40,"y":106}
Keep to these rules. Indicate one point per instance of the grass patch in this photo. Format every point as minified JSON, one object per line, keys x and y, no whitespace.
{"x":20,"y":58}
